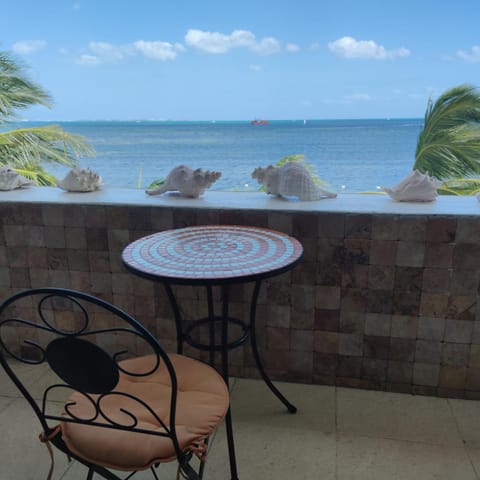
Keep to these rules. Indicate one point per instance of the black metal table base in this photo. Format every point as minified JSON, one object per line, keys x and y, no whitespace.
{"x":248,"y":332}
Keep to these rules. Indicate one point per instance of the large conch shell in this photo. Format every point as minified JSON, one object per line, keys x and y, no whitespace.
{"x":191,"y":183}
{"x":292,"y":178}
{"x":10,"y":179}
{"x":80,"y":180}
{"x":415,"y":187}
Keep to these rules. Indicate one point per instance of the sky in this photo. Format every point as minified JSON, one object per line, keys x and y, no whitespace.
{"x":242,"y":59}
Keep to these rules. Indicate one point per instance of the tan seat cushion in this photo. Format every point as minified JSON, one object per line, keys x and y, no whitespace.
{"x":202,"y":403}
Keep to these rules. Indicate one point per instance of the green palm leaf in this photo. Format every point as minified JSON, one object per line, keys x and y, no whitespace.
{"x":449,"y":144}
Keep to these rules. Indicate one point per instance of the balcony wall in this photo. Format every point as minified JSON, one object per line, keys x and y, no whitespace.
{"x":386,"y":296}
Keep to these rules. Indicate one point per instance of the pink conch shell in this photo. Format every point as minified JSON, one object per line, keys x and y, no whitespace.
{"x":191,"y":183}
{"x":291,"y":179}
{"x":10,"y":179}
{"x":80,"y":180}
{"x":415,"y":187}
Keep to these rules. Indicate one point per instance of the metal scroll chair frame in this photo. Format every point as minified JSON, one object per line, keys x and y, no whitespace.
{"x":65,"y":339}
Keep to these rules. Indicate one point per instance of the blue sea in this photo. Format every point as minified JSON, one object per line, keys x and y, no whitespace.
{"x":351,"y":155}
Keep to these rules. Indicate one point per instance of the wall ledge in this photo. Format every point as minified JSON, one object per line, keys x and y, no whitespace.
{"x":344,"y":203}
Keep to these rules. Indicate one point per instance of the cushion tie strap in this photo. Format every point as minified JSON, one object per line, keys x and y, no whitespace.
{"x":46,"y":440}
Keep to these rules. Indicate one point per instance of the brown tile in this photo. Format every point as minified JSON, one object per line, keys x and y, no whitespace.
{"x":455,"y":354}
{"x":400,"y":372}
{"x":16,"y":257}
{"x":428,"y":351}
{"x":381,"y":277}
{"x":97,"y":238}
{"x":75,"y":237}
{"x":404,"y":326}
{"x":438,"y":255}
{"x":278,"y":338}
{"x":374,"y":369}
{"x":328,"y":274}
{"x":15,"y":236}
{"x":101,"y":282}
{"x":350,"y":344}
{"x":465,"y":282}
{"x":278,"y":315}
{"x":408,"y":279}
{"x":466,"y":256}
{"x":301,"y":340}
{"x":305,"y":225}
{"x":433,"y":305}
{"x":358,"y":226}
{"x":410,"y":254}
{"x":458,"y":331}
{"x":436,"y":280}
{"x":35,"y":235}
{"x":57,"y":259}
{"x":426,"y":374}
{"x":376,"y":347}
{"x":78,"y":260}
{"x":380,"y":301}
{"x":468,"y":230}
{"x":74,"y":216}
{"x":99,"y":261}
{"x":330,"y":249}
{"x":406,"y":303}
{"x":430,"y":328}
{"x":383,"y":252}
{"x":474,"y":358}
{"x":162,"y":219}
{"x":327,"y":298}
{"x":37,"y":257}
{"x":453,"y":378}
{"x":384,"y":227}
{"x":325,"y":363}
{"x":53,"y":215}
{"x":331,"y":225}
{"x":327,"y":320}
{"x":356,"y":251}
{"x":280,"y":221}
{"x":305,"y":273}
{"x":349,"y":367}
{"x":352,"y":322}
{"x":19,"y":278}
{"x":355,"y":276}
{"x":402,"y":349}
{"x":301,"y":365}
{"x":326,"y":342}
{"x":54,"y":237}
{"x":462,"y":307}
{"x":377,"y":324}
{"x":354,"y":300}
{"x":139,"y":218}
{"x":412,"y":228}
{"x":441,"y":229}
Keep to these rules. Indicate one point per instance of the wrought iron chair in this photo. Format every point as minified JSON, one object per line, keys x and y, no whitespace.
{"x":118,"y":411}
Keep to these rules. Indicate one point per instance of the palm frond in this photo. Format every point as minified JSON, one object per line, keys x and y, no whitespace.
{"x":460,"y":186}
{"x":449,"y":143}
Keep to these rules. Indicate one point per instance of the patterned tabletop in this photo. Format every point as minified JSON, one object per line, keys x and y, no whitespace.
{"x":212,"y":253}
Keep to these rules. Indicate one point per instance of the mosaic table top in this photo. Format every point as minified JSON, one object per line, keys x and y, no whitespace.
{"x":209,"y":254}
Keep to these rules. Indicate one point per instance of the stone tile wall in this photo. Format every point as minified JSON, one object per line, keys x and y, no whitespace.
{"x":379,"y":301}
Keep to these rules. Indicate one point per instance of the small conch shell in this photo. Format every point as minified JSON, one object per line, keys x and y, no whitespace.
{"x":191,"y":183}
{"x":80,"y":180}
{"x":292,"y":178}
{"x":10,"y":179}
{"x":415,"y":187}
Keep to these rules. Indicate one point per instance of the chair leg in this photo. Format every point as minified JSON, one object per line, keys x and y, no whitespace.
{"x":91,"y":471}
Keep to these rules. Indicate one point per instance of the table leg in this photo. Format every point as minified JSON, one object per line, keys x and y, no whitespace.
{"x":253,"y":338}
{"x":224,"y":353}
{"x":177,"y":316}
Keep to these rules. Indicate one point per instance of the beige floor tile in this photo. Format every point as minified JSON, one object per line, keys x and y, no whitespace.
{"x":396,"y":416}
{"x":467,"y":414}
{"x":271,"y":453}
{"x":253,"y":402}
{"x":5,"y":402}
{"x":22,"y":454}
{"x":474,"y":455}
{"x":28,"y":375}
{"x":363,"y":458}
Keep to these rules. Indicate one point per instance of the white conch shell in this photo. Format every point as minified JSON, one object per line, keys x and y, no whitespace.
{"x":291,"y":178}
{"x":10,"y":179}
{"x":415,"y":187}
{"x":80,"y":180}
{"x":191,"y":183}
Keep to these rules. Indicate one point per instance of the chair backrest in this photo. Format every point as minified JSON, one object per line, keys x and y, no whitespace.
{"x":81,"y":339}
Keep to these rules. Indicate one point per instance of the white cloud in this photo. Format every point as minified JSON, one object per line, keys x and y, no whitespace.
{"x":292,"y":47}
{"x":356,"y":97}
{"x":159,"y":50}
{"x":28,"y":46}
{"x":216,"y":42}
{"x":472,"y":57}
{"x":349,"y":47}
{"x":103,"y":52}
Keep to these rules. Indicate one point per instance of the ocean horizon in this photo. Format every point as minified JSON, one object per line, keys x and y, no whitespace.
{"x":352,"y":155}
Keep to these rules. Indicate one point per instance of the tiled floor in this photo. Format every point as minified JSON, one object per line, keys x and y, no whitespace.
{"x":337,"y":433}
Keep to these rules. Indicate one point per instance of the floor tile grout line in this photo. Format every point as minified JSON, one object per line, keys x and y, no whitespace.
{"x":335,"y":412}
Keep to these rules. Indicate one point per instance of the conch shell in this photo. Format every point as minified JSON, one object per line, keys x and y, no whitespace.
{"x":10,"y":179}
{"x":80,"y":180}
{"x":191,"y":183}
{"x":415,"y":187}
{"x":292,"y":178}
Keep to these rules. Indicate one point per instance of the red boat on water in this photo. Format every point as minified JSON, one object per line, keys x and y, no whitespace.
{"x":259,"y":122}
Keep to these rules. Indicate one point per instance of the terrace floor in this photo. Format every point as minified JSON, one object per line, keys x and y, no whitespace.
{"x":338,"y":433}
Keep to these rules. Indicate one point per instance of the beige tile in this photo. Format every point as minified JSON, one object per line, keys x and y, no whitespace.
{"x":28,"y":374}
{"x":22,"y":455}
{"x":363,"y":458}
{"x":474,"y":455}
{"x":396,"y":416}
{"x":467,"y":415}
{"x":253,"y":402}
{"x":272,"y":453}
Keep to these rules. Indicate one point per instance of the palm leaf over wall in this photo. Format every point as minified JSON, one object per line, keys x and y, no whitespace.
{"x":449,"y":143}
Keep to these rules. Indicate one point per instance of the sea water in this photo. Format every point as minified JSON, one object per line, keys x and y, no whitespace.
{"x":351,"y":155}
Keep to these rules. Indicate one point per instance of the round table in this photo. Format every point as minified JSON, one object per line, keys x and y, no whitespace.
{"x":216,"y":255}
